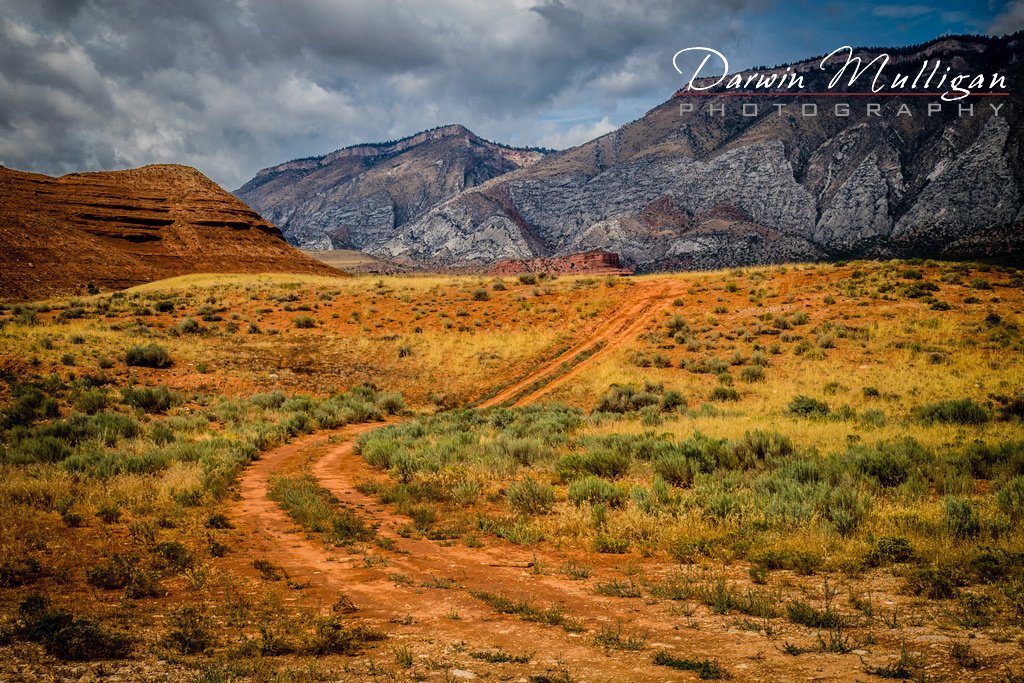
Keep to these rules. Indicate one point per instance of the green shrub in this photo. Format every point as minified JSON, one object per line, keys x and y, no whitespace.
{"x":752,"y":373}
{"x":530,"y":497}
{"x":331,"y":635}
{"x":112,"y":427}
{"x":799,"y":612}
{"x":46,"y":449}
{"x":173,"y":555}
{"x":145,"y":583}
{"x":675,"y":468}
{"x":979,"y":283}
{"x":806,"y":406}
{"x":113,"y":573}
{"x":1010,"y":498}
{"x":157,"y":399}
{"x":889,"y":550}
{"x":846,"y":508}
{"x":30,"y":406}
{"x":109,"y":513}
{"x":189,"y":325}
{"x":759,"y":446}
{"x":887,"y":465}
{"x":1013,"y":407}
{"x":672,"y":401}
{"x":803,"y":562}
{"x":19,"y":572}
{"x":711,"y":366}
{"x":67,"y":638}
{"x":723,"y":393}
{"x":959,"y":411}
{"x":316,"y":510}
{"x":189,"y":631}
{"x":937,"y":582}
{"x":481,"y":294}
{"x":304,"y":322}
{"x":391,"y":403}
{"x":610,"y":545}
{"x":706,"y":669}
{"x":150,"y":356}
{"x":596,"y":491}
{"x":625,"y":398}
{"x":960,"y":518}
{"x":92,"y":401}
{"x":602,"y":463}
{"x":161,"y":434}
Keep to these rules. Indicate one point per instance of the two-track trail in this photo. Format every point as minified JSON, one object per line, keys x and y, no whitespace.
{"x":623,"y":325}
{"x":423,"y":595}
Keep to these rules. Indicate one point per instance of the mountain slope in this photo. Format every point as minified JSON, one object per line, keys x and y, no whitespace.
{"x":357,"y":196}
{"x":690,"y":190}
{"x":122,"y":228}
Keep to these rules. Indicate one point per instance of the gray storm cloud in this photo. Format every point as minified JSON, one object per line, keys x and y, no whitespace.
{"x":235,"y":85}
{"x":231,"y":86}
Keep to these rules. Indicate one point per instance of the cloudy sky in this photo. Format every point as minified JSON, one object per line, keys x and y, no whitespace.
{"x":231,"y":86}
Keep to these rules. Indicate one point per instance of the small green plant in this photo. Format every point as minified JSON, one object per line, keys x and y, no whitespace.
{"x":500,"y":657}
{"x":724,"y":393}
{"x":618,"y":589}
{"x":69,"y":638}
{"x":706,"y":669}
{"x":530,"y":497}
{"x":903,"y":668}
{"x":92,"y":401}
{"x":574,"y":571}
{"x":403,"y":657}
{"x":806,"y":406}
{"x":964,"y":655}
{"x":150,"y":356}
{"x":157,"y":399}
{"x":618,"y":638}
{"x":960,"y":411}
{"x":189,"y":631}
{"x":188,"y":325}
{"x":960,"y":518}
{"x":752,"y":373}
{"x":267,"y":570}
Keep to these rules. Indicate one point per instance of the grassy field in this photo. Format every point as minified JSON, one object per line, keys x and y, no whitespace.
{"x":345,"y":259}
{"x":829,"y":458}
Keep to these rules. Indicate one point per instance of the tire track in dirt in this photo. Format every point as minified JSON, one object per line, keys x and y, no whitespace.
{"x":499,"y":567}
{"x":646,"y":298}
{"x":329,"y":575}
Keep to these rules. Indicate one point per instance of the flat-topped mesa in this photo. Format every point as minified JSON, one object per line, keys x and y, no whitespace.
{"x":595,"y":262}
{"x":122,"y":228}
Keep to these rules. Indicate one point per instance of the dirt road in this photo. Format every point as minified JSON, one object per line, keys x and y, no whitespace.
{"x":421,"y":591}
{"x":646,"y":299}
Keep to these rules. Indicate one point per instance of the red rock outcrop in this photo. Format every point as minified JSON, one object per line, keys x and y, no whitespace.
{"x":587,"y":263}
{"x":122,"y":228}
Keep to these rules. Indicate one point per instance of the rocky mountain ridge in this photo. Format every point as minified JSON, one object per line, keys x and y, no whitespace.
{"x":358,"y":197}
{"x":679,"y":190}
